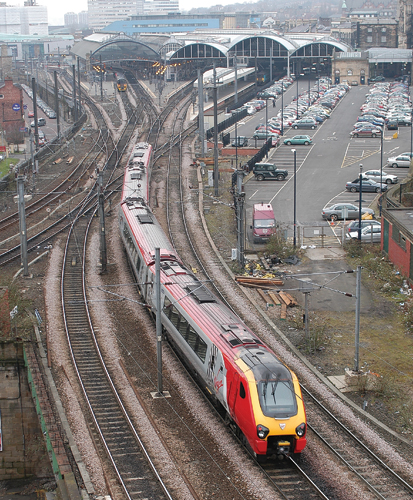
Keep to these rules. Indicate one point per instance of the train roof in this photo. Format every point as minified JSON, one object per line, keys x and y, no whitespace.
{"x":136,"y":178}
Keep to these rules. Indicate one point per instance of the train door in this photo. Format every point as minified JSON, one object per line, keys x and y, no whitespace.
{"x":233,"y":393}
{"x":216,"y":374}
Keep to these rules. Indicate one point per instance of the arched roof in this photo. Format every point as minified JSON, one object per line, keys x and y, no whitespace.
{"x":200,"y":50}
{"x":125,"y":48}
{"x":285,"y":42}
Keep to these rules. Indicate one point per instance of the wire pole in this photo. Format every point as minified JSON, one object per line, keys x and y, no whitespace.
{"x":201,"y":111}
{"x":36,"y":125}
{"x":158,"y":319}
{"x":216,"y":171}
{"x":22,"y":222}
{"x":56,"y":103}
{"x":240,"y":218}
{"x":74,"y":94}
{"x":295,"y":198}
{"x":101,"y":197}
{"x":360,"y":200}
{"x":78,"y":85}
{"x":357,"y":329}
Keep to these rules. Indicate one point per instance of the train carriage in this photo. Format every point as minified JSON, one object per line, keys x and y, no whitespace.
{"x":121,"y":82}
{"x":260,"y":394}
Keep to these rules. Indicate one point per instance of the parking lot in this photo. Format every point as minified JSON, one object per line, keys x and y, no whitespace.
{"x":324,"y":167}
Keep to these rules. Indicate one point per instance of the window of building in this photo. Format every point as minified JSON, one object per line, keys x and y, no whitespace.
{"x":369,"y":30}
{"x":349,"y":72}
{"x":383,"y":39}
{"x":1,"y":96}
{"x":383,"y":30}
{"x":398,"y":237}
{"x":369,"y":39}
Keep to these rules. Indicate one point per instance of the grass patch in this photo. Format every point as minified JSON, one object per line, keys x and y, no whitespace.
{"x":5,"y":165}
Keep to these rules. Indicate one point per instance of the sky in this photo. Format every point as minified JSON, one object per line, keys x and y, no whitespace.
{"x":57,"y":9}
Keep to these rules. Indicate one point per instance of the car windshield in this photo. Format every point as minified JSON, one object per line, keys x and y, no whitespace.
{"x":261,"y":223}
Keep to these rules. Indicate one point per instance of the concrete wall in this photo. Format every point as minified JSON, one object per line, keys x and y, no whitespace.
{"x":23,"y":451}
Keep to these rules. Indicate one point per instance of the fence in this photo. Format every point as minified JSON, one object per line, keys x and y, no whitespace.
{"x":235,"y":117}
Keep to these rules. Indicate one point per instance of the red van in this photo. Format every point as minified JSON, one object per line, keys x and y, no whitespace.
{"x":263,"y":222}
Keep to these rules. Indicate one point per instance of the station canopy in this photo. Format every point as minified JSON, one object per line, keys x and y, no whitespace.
{"x":207,"y":44}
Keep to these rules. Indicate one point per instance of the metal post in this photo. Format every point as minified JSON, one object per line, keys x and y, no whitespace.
{"x":411,"y":137}
{"x":78,"y":85}
{"x":271,"y":52}
{"x":22,"y":222}
{"x":216,"y":171}
{"x":256,"y":74}
{"x":360,"y":199}
{"x":36,"y":126}
{"x":309,"y":90}
{"x":101,"y":196}
{"x":295,"y":197}
{"x":101,"y":77}
{"x":381,"y":172}
{"x":74,"y":93}
{"x":236,"y":145}
{"x":357,"y":328}
{"x":236,"y":80}
{"x":297,"y":96}
{"x":158,"y":318}
{"x":306,"y":314}
{"x":240,"y":218}
{"x":266,"y":125}
{"x":32,"y":159}
{"x":282,"y":110}
{"x":201,"y":111}
{"x":56,"y":103}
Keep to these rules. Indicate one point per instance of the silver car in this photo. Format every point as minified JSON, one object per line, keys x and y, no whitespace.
{"x":339,"y":210}
{"x":369,"y":234}
{"x":374,"y":175}
{"x":399,"y":161}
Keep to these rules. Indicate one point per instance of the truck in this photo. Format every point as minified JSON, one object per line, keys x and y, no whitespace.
{"x":263,"y":222}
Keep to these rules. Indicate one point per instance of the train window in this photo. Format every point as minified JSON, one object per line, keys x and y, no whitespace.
{"x":183,"y":327}
{"x":174,"y":317}
{"x":201,"y":349}
{"x":241,"y":390}
{"x":191,"y":338}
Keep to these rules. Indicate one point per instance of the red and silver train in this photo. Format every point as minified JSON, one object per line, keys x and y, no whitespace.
{"x":261,"y":395}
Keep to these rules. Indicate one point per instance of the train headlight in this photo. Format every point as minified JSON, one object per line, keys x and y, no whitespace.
{"x":300,"y":430}
{"x":262,"y":431}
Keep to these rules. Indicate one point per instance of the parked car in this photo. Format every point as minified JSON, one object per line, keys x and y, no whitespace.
{"x":369,"y":234}
{"x":392,"y":125}
{"x":263,"y":134}
{"x":240,"y":141}
{"x":367,"y":186}
{"x":355,"y":224}
{"x":268,"y":171}
{"x":298,"y":139}
{"x":40,"y":122}
{"x":30,"y":114}
{"x":305,"y":123}
{"x":378,"y":78}
{"x":337,"y":210}
{"x":375,"y":175}
{"x":399,"y":161}
{"x":365,"y":132}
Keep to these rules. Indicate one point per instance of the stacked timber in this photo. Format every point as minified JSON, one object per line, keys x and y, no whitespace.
{"x":255,"y":282}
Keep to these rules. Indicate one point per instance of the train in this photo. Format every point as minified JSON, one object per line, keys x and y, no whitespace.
{"x":263,"y":77}
{"x":259,"y":393}
{"x":121,"y":82}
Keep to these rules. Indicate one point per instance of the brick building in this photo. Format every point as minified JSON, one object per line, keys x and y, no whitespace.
{"x":371,"y":33}
{"x":12,"y":113}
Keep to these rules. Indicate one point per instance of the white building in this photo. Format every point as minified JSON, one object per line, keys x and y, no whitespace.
{"x":103,"y":12}
{"x":71,"y":19}
{"x":161,"y":6}
{"x":83,"y":18}
{"x":27,"y":20}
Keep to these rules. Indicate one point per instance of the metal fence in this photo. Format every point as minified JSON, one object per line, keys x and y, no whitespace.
{"x":235,"y":117}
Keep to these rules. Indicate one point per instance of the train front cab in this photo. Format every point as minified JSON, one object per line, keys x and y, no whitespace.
{"x":277,"y":411}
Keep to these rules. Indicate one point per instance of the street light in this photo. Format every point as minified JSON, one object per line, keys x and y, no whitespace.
{"x":297,"y":96}
{"x":266,"y":126}
{"x":295,"y":197}
{"x":282,"y":110}
{"x":236,"y":143}
{"x":360,"y":200}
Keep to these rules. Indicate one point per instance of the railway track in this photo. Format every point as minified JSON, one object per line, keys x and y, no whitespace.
{"x":134,"y":469}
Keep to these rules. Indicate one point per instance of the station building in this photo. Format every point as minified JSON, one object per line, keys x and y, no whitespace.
{"x":177,"y":56}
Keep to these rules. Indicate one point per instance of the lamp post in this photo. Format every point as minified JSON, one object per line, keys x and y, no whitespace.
{"x":381,"y":171}
{"x":236,"y":145}
{"x":266,"y":125}
{"x":297,"y":96}
{"x":282,"y":110}
{"x":411,"y":138}
{"x":295,"y":197}
{"x":360,"y":200}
